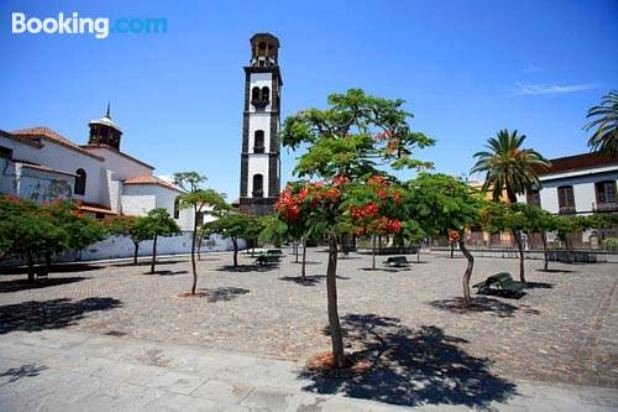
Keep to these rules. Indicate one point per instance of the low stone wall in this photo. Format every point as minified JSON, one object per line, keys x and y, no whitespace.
{"x":601,"y":256}
{"x":116,"y":247}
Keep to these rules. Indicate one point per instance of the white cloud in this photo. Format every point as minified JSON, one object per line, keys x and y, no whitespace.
{"x":529,"y":89}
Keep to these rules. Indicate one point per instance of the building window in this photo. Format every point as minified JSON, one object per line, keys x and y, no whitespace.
{"x":605,"y":194}
{"x":255,"y":94}
{"x":533,"y":197}
{"x":265,"y":94}
{"x":80,"y":182}
{"x":258,"y":141}
{"x":177,"y":207}
{"x":258,"y":185}
{"x":566,"y":199}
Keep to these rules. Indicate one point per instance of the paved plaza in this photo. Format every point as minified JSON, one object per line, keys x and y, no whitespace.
{"x":110,"y":331}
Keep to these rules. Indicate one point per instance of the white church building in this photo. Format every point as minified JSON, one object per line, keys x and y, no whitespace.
{"x":39,"y":164}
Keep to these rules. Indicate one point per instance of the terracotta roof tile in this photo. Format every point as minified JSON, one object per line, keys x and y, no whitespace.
{"x":150,"y":180}
{"x":33,"y":133}
{"x":578,"y":162}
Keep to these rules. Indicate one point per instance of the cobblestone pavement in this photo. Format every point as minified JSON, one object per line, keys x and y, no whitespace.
{"x":565,"y":329}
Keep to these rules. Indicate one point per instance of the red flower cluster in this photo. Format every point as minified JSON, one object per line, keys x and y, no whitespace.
{"x":377,"y":180}
{"x":370,"y":209}
{"x":290,"y":202}
{"x":340,"y":180}
{"x":385,"y":224}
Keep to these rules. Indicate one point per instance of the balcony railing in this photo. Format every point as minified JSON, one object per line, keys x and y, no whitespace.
{"x":605,"y":207}
{"x":566,"y":210}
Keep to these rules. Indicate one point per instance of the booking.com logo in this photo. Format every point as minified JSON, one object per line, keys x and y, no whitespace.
{"x":100,"y":27}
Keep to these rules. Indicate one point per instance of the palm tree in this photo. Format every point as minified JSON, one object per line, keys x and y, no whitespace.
{"x":509,"y":168}
{"x":605,"y":136}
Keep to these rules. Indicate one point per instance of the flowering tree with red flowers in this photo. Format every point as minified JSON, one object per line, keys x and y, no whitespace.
{"x":344,"y":146}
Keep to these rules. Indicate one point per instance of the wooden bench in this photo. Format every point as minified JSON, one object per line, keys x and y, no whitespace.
{"x":502,"y":283}
{"x":397,"y":261}
{"x":264,"y":260}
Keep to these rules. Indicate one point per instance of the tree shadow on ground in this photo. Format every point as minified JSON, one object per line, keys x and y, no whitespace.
{"x":23,"y":284}
{"x":539,"y":285}
{"x":311,"y":280}
{"x":166,"y":272}
{"x":24,"y":371}
{"x":308,"y":262}
{"x":148,"y":263}
{"x":481,"y":305}
{"x":223,"y":294}
{"x":389,"y":270}
{"x":34,"y":316}
{"x":413,"y":367}
{"x":246,"y":268}
{"x":555,"y":270}
{"x":60,"y":268}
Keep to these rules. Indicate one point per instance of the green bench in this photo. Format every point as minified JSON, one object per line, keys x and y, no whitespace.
{"x":274,"y":252}
{"x":502,"y":283}
{"x":397,"y":262}
{"x":267,"y":260}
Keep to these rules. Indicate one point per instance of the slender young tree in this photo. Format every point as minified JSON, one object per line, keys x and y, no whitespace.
{"x":233,"y":225}
{"x":444,"y":204}
{"x":202,"y":202}
{"x":509,"y":170}
{"x":347,"y":140}
{"x":157,"y":223}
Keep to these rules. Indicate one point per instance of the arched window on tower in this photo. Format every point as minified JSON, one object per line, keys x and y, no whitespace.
{"x":258,"y":141}
{"x":80,"y":182}
{"x":258,"y":185}
{"x":265,"y":94}
{"x":255,"y":94}
{"x":177,"y":207}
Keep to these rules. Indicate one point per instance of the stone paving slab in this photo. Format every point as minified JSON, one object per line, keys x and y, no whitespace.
{"x":62,"y":379}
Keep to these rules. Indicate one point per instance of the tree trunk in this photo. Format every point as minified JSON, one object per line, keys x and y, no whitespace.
{"x":520,"y":248}
{"x":303,"y":271}
{"x":199,"y":248}
{"x":468,"y":273}
{"x":336,"y":335}
{"x":235,"y":243}
{"x":135,"y":252}
{"x":373,"y":253}
{"x":193,"y":266}
{"x":452,"y":248}
{"x":30,"y":263}
{"x":545,"y":253}
{"x":296,"y":247}
{"x":418,"y":254}
{"x":154,"y":254}
{"x":48,"y":263}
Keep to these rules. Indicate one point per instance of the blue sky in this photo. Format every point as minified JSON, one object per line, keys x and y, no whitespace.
{"x":466,"y":69}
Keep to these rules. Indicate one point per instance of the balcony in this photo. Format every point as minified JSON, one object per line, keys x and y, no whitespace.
{"x":566,"y":210}
{"x":605,"y":207}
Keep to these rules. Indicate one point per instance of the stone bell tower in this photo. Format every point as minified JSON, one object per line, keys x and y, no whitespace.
{"x":260,"y":165}
{"x":104,"y":131}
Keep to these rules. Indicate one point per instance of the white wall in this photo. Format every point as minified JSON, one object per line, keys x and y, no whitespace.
{"x":583,"y":190}
{"x":259,"y":121}
{"x":42,"y":186}
{"x":122,"y":167}
{"x":61,"y":158}
{"x":258,"y":164}
{"x":260,"y":80}
{"x":122,"y":247}
{"x":138,"y":200}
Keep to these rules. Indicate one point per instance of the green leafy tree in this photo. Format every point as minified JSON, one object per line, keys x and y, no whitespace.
{"x":201,"y":201}
{"x":445,"y":204}
{"x":348,"y":140}
{"x":133,"y":227}
{"x":605,"y":124}
{"x":234,"y":226}
{"x":157,"y":223}
{"x":509,"y":169}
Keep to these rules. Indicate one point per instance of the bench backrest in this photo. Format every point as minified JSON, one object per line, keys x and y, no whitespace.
{"x":501,"y":277}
